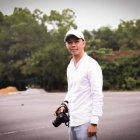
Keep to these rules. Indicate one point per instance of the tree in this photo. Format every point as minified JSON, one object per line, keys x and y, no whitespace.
{"x":106,"y":38}
{"x":32,"y":53}
{"x":20,"y":37}
{"x":128,"y":33}
{"x":43,"y":62}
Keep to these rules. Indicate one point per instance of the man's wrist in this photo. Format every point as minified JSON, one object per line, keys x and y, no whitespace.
{"x":64,"y":104}
{"x":93,"y":124}
{"x":94,"y":120}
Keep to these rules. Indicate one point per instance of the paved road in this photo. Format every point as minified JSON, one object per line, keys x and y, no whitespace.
{"x":29,"y":116}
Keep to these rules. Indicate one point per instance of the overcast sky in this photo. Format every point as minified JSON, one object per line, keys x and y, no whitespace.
{"x":90,"y":14}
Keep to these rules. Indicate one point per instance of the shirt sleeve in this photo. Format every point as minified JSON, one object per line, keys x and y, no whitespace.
{"x":96,"y":83}
{"x":67,"y":94}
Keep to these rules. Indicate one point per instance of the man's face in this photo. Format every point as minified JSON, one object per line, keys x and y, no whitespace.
{"x":75,"y":45}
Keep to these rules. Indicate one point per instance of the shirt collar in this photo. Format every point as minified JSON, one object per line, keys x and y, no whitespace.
{"x":80,"y":61}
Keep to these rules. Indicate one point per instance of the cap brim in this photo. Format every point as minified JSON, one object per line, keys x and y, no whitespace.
{"x":68,"y":36}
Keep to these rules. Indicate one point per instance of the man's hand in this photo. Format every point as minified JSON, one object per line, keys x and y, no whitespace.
{"x":60,"y":109}
{"x":92,"y":130}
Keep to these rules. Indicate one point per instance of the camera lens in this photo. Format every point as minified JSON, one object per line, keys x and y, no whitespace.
{"x":58,"y":120}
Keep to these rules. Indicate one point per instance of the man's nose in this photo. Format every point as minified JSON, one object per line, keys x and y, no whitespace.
{"x":73,"y":44}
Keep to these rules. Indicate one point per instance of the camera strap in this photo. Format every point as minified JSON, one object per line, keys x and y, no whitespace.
{"x":67,"y":123}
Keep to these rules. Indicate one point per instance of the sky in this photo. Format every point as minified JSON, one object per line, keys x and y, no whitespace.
{"x":90,"y":14}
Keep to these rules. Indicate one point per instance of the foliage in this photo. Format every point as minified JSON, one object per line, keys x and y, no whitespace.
{"x":32,"y":51}
{"x":129,"y":34}
{"x":123,"y":73}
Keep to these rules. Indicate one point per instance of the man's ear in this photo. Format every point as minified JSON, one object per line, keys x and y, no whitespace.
{"x":84,"y":43}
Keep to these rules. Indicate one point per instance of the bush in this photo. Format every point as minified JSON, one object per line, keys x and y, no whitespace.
{"x":122,"y":73}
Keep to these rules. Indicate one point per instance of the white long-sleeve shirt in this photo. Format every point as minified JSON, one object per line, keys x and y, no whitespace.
{"x":84,"y":94}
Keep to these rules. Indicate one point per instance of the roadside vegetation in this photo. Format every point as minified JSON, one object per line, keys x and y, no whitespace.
{"x":33,"y":53}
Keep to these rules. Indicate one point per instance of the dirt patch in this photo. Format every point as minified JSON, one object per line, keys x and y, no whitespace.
{"x":118,"y":54}
{"x":8,"y":90}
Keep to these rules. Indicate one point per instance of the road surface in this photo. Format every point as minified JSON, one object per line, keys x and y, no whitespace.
{"x":29,"y":116}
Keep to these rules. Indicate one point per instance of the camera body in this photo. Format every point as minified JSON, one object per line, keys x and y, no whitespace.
{"x":62,"y":117}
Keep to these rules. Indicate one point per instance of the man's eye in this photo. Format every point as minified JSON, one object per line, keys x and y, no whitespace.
{"x":69,"y":42}
{"x":76,"y":41}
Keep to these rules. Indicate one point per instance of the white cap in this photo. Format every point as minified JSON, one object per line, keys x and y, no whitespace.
{"x":74,"y":32}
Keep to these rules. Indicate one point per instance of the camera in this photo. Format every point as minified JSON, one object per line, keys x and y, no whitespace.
{"x":62,"y":117}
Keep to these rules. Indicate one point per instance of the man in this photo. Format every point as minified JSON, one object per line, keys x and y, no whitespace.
{"x":84,"y":98}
